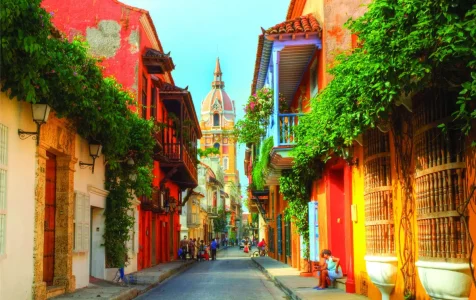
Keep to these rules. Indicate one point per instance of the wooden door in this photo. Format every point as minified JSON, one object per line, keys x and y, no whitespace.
{"x":50,"y":212}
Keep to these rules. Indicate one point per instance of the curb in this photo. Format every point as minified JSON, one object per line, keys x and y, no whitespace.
{"x":126,"y":295}
{"x":278,"y":282}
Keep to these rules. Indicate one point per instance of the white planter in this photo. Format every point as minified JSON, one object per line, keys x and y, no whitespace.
{"x":382,"y":271}
{"x":441,"y":280}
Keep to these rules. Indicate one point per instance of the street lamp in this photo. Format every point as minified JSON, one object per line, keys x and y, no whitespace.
{"x":94,"y":151}
{"x":40,"y":113}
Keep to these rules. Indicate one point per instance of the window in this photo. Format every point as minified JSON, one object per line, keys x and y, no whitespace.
{"x":3,"y":186}
{"x":224,"y":149}
{"x":225,"y":163}
{"x":217,"y":146}
{"x":280,"y":235}
{"x":144,"y":97}
{"x":313,"y":78}
{"x":153,"y":104}
{"x":81,"y":222}
{"x":216,"y":119}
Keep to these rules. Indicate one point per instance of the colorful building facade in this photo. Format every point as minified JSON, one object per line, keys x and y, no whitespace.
{"x":65,"y":200}
{"x":394,"y":217}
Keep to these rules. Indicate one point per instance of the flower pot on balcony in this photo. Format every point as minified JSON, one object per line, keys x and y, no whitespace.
{"x":382,"y":271}
{"x":443,"y":280}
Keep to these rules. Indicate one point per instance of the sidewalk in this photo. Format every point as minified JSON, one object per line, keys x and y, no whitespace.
{"x":140,"y":282}
{"x":297,"y":287}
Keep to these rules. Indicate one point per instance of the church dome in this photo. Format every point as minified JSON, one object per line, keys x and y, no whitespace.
{"x":217,"y":100}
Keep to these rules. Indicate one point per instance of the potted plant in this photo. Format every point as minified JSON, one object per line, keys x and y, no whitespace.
{"x":308,"y":265}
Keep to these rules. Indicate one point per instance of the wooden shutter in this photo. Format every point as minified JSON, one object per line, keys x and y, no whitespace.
{"x":86,"y":221}
{"x":81,"y":222}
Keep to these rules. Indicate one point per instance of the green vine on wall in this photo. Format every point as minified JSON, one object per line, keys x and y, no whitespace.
{"x":260,"y":167}
{"x":38,"y":65}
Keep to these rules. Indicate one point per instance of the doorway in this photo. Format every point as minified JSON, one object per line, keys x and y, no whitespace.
{"x":50,"y":220}
{"x":154,"y":240}
{"x":336,"y":219}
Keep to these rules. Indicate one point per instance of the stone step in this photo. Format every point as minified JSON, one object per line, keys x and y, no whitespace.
{"x":53,"y":291}
{"x":340,"y":283}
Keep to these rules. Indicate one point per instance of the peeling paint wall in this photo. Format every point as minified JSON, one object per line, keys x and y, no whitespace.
{"x":104,"y":40}
{"x":134,"y":41}
{"x":111,"y":30}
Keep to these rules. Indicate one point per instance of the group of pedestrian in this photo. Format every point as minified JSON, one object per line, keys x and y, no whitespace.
{"x":197,"y":249}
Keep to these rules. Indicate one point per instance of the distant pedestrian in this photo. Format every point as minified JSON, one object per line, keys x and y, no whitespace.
{"x":183,"y":247}
{"x":191,"y":248}
{"x":213,"y":247}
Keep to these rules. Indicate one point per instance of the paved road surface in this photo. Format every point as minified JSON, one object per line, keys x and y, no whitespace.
{"x":232,"y":276}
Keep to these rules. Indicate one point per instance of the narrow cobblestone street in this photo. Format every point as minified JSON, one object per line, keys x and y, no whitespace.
{"x":232,"y":276}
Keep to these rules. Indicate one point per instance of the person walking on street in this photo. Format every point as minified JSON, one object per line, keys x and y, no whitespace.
{"x":213,"y":247}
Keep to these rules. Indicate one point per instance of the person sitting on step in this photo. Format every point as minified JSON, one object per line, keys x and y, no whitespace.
{"x":330,"y":272}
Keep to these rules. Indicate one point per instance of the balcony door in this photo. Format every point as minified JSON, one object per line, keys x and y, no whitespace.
{"x":50,"y":220}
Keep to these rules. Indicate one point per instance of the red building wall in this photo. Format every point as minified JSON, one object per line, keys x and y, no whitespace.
{"x":118,"y":25}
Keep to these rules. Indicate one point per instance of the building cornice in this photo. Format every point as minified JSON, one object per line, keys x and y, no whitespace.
{"x":97,"y":191}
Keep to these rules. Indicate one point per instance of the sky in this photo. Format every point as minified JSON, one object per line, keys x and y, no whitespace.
{"x":196,"y":32}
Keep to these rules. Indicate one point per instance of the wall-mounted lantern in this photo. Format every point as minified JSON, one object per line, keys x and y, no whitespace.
{"x":40,"y":113}
{"x":173,"y":204}
{"x":94,"y":151}
{"x":348,"y":155}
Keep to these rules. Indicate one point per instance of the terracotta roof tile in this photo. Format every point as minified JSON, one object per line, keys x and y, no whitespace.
{"x":306,"y":23}
{"x":167,"y":87}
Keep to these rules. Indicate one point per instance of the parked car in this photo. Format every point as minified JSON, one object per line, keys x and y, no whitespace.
{"x":242,"y":244}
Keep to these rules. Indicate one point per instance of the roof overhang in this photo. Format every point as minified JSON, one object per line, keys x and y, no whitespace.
{"x":296,"y":41}
{"x":157,"y":62}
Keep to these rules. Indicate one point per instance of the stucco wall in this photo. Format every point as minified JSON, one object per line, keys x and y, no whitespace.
{"x":91,"y":184}
{"x":16,"y":266}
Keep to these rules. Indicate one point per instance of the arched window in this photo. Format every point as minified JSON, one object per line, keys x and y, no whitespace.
{"x":216,"y":119}
{"x":217,"y":145}
{"x":225,"y":163}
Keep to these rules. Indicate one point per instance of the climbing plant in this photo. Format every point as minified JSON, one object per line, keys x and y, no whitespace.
{"x":39,"y":65}
{"x":219,"y":223}
{"x":260,"y":166}
{"x":258,"y":109}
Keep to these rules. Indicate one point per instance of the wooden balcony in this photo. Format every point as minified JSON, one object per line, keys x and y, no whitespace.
{"x":193,"y":220}
{"x":179,"y":138}
{"x":212,"y":212}
{"x":150,"y":203}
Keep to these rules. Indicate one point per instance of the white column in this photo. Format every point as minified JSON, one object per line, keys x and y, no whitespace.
{"x":276,"y":58}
